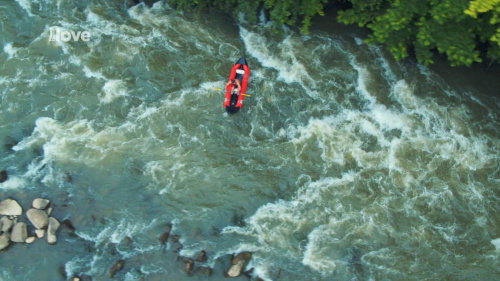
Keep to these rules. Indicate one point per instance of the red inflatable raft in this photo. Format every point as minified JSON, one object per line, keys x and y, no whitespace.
{"x":240,"y":71}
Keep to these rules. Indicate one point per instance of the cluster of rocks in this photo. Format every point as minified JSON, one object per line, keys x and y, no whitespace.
{"x":12,"y":229}
{"x":192,"y":265}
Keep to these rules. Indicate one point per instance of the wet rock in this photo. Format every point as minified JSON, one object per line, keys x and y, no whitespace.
{"x":3,"y":176}
{"x":85,"y":277}
{"x":203,"y":271}
{"x":187,"y":265}
{"x":52,"y":229}
{"x":49,"y":211}
{"x":258,"y":279}
{"x":19,"y":232}
{"x":75,"y":278}
{"x":68,"y":225}
{"x":40,"y":233}
{"x":67,"y":177}
{"x":30,"y":240}
{"x":10,"y":207}
{"x":201,"y":256}
{"x":6,"y":224}
{"x":40,"y":203}
{"x":164,"y":236}
{"x":238,"y":264}
{"x":126,"y":244}
{"x":175,"y":243}
{"x":38,"y":218}
{"x":4,"y":241}
{"x":116,"y":267}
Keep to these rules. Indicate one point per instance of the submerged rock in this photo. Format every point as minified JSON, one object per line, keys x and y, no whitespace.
{"x":116,"y":267}
{"x":85,"y":277}
{"x":38,"y":218}
{"x":19,"y":232}
{"x":164,"y":236}
{"x":175,"y":243}
{"x":203,"y":271}
{"x":4,"y":241}
{"x":187,"y":265}
{"x":51,"y":230}
{"x":201,"y":256}
{"x":40,"y":203}
{"x":238,"y":264}
{"x":10,"y":207}
{"x":3,"y":176}
{"x":68,"y":225}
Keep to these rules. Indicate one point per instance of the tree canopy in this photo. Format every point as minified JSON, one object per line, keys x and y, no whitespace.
{"x":465,"y":31}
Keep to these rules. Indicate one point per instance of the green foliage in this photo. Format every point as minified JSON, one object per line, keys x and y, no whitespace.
{"x":450,"y":27}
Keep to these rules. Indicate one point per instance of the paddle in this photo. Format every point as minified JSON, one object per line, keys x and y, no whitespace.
{"x":231,"y":92}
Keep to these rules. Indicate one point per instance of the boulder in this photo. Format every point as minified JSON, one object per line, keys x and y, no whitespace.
{"x":201,"y":256}
{"x":175,"y":243}
{"x":19,"y":232}
{"x":4,"y":241}
{"x":30,"y":240}
{"x":68,"y":225}
{"x":40,"y":233}
{"x":203,"y":271}
{"x":238,"y":264}
{"x":40,"y":203}
{"x":164,"y":236}
{"x":52,"y":229}
{"x":10,"y":207}
{"x":75,"y":278}
{"x":85,"y":277}
{"x":38,"y":218}
{"x":117,"y":266}
{"x":6,"y":224}
{"x":187,"y":265}
{"x":3,"y":176}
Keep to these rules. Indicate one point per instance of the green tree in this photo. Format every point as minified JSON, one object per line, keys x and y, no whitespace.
{"x":424,"y":26}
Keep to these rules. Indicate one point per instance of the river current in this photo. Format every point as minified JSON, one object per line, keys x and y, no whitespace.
{"x":342,"y":165}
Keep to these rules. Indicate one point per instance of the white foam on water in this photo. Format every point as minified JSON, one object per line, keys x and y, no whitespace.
{"x":10,"y":50}
{"x":316,"y":255}
{"x":112,"y":90}
{"x":13,"y":182}
{"x":290,"y":69}
{"x":26,"y":5}
{"x":75,"y":141}
{"x":496,"y":243}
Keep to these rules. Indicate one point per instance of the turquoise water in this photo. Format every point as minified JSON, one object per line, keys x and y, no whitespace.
{"x":342,"y":165}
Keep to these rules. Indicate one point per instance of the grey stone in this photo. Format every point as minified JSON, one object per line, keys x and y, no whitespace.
{"x":116,"y":267}
{"x":4,"y":241}
{"x":201,"y":256}
{"x":40,"y":233}
{"x":187,"y":265}
{"x":19,"y":232}
{"x":6,"y":224}
{"x":38,"y":218}
{"x":30,"y":240}
{"x":238,"y":264}
{"x":52,"y":229}
{"x":40,"y":203}
{"x":10,"y":207}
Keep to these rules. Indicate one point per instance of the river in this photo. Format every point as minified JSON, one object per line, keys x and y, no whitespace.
{"x":342,"y":165}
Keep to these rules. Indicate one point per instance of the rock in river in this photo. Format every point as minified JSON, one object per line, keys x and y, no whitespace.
{"x":238,"y":264}
{"x":52,"y":229}
{"x":38,"y":218}
{"x":10,"y":207}
{"x":40,"y":203}
{"x":4,"y":241}
{"x":19,"y":232}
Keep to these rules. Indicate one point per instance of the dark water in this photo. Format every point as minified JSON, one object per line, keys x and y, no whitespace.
{"x":342,"y":165}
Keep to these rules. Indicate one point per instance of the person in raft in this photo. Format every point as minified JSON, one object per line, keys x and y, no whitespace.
{"x":236,"y":85}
